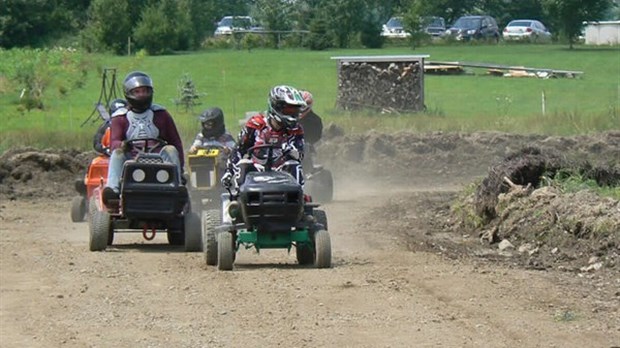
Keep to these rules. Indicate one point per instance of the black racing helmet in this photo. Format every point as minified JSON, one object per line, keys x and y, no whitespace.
{"x":212,"y":121}
{"x":133,"y":80}
{"x":116,"y":104}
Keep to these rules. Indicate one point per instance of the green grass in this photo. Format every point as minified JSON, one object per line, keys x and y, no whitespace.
{"x":238,"y":81}
{"x":569,"y":182}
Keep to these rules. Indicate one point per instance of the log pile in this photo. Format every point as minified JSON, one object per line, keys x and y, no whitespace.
{"x":383,"y":86}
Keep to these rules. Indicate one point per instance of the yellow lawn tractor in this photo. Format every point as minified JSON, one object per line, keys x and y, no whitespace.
{"x":205,"y":169}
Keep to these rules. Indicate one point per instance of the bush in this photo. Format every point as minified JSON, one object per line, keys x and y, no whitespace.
{"x":218,"y":42}
{"x":250,"y":41}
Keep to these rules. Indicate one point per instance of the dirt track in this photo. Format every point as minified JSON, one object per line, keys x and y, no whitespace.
{"x":54,"y":292}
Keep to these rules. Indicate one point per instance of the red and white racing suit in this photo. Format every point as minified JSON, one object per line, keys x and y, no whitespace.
{"x":258,"y":131}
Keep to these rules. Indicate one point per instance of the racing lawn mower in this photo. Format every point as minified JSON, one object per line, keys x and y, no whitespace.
{"x":319,"y":180}
{"x":97,"y":171}
{"x":152,"y":198}
{"x":267,"y":210}
{"x":205,"y":169}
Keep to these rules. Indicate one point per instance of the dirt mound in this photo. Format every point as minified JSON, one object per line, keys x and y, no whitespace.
{"x":510,"y":219}
{"x":551,"y":223}
{"x":32,"y":173}
{"x":529,"y":166}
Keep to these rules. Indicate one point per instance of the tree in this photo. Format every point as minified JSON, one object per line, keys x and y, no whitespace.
{"x":275,"y":15}
{"x":180,"y":19}
{"x":188,"y":94}
{"x":568,"y":15}
{"x":345,"y":19}
{"x":370,"y":34}
{"x":231,"y":7}
{"x":505,"y":11}
{"x":319,"y":38}
{"x":106,"y":29}
{"x":37,"y":22}
{"x":450,"y":10}
{"x":204,"y":15}
{"x":155,"y":31}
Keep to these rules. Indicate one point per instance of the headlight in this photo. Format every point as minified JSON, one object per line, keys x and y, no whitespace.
{"x":471,"y":32}
{"x":162,"y":175}
{"x":138,"y":175}
{"x":448,"y":32}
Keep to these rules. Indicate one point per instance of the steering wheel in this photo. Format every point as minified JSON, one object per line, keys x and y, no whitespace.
{"x":145,"y":145}
{"x":210,"y":146}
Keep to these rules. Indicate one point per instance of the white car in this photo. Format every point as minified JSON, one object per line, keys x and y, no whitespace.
{"x":394,"y":28}
{"x":526,"y":30}
{"x":230,"y":24}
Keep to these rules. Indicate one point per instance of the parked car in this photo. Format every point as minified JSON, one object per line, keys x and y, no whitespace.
{"x":526,"y":30}
{"x":434,"y":26}
{"x":230,"y":24}
{"x":394,"y":28}
{"x":474,"y":28}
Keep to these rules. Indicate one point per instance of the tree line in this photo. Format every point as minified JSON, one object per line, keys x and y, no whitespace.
{"x":160,"y":26}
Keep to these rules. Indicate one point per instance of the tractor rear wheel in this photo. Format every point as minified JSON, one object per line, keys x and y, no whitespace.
{"x":193,"y":232}
{"x":176,"y":237}
{"x":305,"y":254}
{"x":78,"y":208}
{"x":321,"y":186}
{"x":321,"y":218}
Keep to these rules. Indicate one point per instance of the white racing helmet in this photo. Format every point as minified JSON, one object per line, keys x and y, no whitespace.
{"x":285,"y":103}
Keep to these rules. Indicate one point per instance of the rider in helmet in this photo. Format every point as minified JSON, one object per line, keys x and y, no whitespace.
{"x":213,"y":132}
{"x":101,"y":140}
{"x":140,"y":120}
{"x":278,"y":125}
{"x":313,"y":128}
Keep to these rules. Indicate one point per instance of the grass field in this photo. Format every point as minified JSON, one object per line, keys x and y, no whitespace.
{"x":238,"y":81}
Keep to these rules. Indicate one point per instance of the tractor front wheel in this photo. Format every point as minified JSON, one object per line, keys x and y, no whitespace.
{"x":210,"y":220}
{"x":100,"y":229}
{"x":225,"y":252}
{"x":323,"y":249}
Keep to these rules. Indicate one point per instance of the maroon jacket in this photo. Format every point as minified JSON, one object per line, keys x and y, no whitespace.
{"x":162,"y":120}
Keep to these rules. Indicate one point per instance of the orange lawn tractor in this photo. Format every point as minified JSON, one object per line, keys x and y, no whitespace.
{"x":97,"y":171}
{"x":96,"y":175}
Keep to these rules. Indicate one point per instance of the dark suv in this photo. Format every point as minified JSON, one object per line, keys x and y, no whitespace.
{"x":474,"y":27}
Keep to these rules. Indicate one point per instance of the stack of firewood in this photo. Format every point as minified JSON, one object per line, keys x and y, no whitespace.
{"x":384,"y":86}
